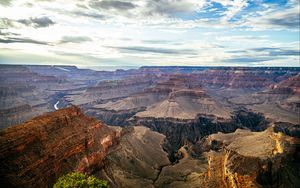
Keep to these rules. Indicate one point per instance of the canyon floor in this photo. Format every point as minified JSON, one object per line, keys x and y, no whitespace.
{"x":151,"y":126}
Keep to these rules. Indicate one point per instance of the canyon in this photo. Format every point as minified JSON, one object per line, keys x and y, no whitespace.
{"x":151,"y":126}
{"x":36,"y":153}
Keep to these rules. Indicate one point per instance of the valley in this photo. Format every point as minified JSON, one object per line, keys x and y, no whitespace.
{"x":151,"y":126}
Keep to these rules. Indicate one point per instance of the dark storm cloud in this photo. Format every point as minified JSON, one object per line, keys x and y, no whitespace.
{"x":140,"y":49}
{"x":21,"y":40}
{"x":291,"y":20}
{"x":75,"y":39}
{"x":119,"y":5}
{"x":37,"y":22}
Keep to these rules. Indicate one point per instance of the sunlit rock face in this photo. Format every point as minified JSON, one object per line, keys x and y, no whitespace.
{"x":36,"y":153}
{"x":255,"y":159}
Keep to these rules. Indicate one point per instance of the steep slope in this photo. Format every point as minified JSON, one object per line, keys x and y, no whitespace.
{"x":137,"y":160}
{"x":36,"y":153}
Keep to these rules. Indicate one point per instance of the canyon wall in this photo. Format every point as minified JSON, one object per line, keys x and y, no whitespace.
{"x":36,"y":153}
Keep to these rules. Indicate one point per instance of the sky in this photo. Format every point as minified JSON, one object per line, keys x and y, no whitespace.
{"x":89,"y":33}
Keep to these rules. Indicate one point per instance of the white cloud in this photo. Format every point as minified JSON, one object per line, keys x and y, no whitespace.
{"x":132,"y":23}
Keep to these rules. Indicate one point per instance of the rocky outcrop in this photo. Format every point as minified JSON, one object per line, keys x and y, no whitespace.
{"x":180,"y":131}
{"x":137,"y":160}
{"x":186,"y":104}
{"x":36,"y":153}
{"x":177,"y":97}
{"x":241,"y":159}
{"x":255,"y":159}
{"x":288,"y":86}
{"x":287,"y":128}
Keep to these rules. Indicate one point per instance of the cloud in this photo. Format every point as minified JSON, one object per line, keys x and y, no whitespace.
{"x":21,"y":40}
{"x":182,"y":32}
{"x":37,"y":22}
{"x":270,"y":51}
{"x":158,"y":41}
{"x":285,"y":53}
{"x":6,"y":33}
{"x":264,"y":49}
{"x":289,"y":20}
{"x":276,"y":19}
{"x":6,"y":23}
{"x":75,"y":39}
{"x":84,"y":13}
{"x":248,"y":59}
{"x":155,"y":50}
{"x":262,"y":54}
{"x":172,"y":8}
{"x":5,"y":2}
{"x":277,"y":51}
{"x":106,"y":4}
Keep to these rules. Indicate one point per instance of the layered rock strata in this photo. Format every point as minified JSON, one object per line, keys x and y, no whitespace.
{"x":36,"y":153}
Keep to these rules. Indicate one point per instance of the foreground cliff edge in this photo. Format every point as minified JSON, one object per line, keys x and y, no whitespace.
{"x":39,"y":151}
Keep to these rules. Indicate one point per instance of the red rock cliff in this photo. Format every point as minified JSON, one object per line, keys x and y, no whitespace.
{"x":36,"y":153}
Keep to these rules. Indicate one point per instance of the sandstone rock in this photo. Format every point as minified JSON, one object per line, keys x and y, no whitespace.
{"x":36,"y":153}
{"x":256,"y":159}
{"x":137,"y":160}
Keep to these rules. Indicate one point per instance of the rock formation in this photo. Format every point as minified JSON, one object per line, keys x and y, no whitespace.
{"x":288,"y":86}
{"x":169,"y":117}
{"x":36,"y":153}
{"x":254,"y":159}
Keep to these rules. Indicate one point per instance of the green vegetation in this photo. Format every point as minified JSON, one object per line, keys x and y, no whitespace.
{"x":79,"y":180}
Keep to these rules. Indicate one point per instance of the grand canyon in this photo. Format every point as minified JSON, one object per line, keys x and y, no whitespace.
{"x":171,"y":126}
{"x":149,"y":94}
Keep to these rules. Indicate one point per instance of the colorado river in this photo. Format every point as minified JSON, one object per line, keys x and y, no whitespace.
{"x":55,"y":105}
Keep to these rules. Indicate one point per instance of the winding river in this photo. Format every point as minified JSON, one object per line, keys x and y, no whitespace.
{"x":55,"y":105}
